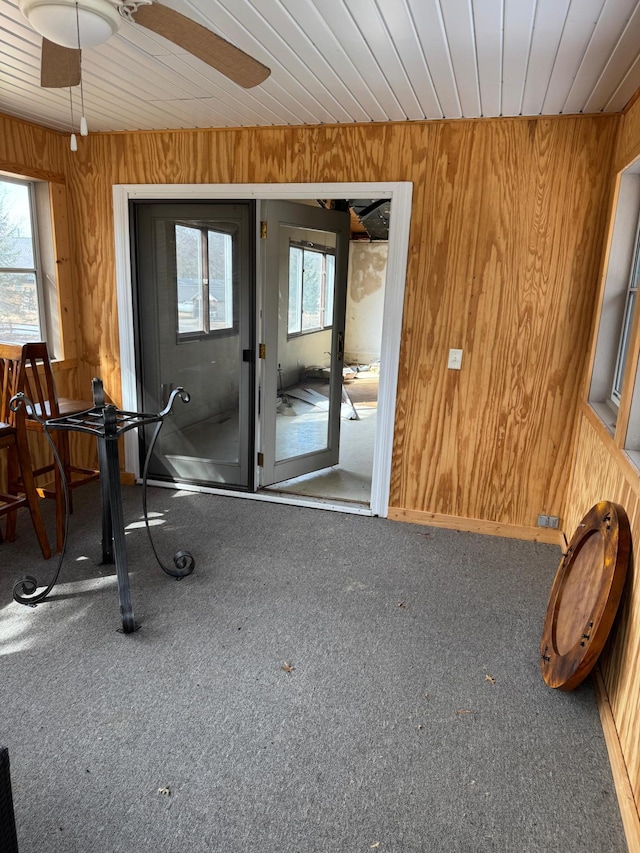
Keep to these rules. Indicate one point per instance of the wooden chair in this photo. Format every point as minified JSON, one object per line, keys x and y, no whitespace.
{"x":21,"y":488}
{"x":37,"y":383}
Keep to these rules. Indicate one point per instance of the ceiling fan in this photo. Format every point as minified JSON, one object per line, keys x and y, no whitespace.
{"x":69,"y":25}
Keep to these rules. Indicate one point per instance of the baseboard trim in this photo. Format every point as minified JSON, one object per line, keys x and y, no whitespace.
{"x":624,"y":791}
{"x":476,"y":525}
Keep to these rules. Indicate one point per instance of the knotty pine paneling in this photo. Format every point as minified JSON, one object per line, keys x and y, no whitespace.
{"x":505,"y":240}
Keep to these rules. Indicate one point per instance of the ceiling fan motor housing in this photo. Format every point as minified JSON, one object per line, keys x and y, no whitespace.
{"x":59,"y":20}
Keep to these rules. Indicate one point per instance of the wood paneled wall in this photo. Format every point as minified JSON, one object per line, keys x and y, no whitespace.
{"x":28,"y":148}
{"x":599,"y":475}
{"x":505,"y":242}
{"x":602,"y":472}
{"x":511,"y":215}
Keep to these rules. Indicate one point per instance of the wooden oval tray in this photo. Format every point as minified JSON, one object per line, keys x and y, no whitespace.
{"x":585,"y":596}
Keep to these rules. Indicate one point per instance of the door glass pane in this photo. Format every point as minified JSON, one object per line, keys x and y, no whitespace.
{"x":220,"y":280}
{"x":330,"y":276}
{"x":304,"y":346}
{"x":295,"y":289}
{"x":311,"y":291}
{"x":189,"y":279}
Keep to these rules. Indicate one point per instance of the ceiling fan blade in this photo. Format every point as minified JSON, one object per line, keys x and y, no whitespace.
{"x":201,"y":42}
{"x":60,"y":66}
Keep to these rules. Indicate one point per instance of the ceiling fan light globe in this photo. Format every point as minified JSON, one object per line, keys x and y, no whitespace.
{"x":56,"y":20}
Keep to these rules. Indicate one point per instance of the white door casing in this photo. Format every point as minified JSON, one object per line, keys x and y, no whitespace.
{"x":400,"y":194}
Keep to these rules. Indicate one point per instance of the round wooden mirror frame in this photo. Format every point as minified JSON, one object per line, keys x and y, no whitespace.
{"x":585,"y":596}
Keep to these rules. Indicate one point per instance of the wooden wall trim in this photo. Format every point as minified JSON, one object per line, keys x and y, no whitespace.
{"x":356,"y":124}
{"x":31,"y":172}
{"x":478,"y":525}
{"x":66,"y":292}
{"x":624,"y":791}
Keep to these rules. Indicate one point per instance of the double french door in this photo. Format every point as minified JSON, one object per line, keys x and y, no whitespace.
{"x":242,"y":348}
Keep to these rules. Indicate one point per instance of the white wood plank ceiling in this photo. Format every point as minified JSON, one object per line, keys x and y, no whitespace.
{"x":343,"y":61}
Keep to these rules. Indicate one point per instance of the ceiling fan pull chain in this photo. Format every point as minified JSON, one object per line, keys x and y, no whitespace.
{"x":128,"y":9}
{"x":84,"y":130}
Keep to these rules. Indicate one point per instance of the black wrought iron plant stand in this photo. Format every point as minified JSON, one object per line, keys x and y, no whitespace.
{"x":107,"y":423}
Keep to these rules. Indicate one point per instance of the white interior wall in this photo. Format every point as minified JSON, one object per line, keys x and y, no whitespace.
{"x":365,"y":301}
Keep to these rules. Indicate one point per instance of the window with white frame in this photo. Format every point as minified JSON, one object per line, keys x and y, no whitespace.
{"x":615,"y":379}
{"x":21,"y":301}
{"x":204,"y":280}
{"x":627,"y":322}
{"x":311,"y":285}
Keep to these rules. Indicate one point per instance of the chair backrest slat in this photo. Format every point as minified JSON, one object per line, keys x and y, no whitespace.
{"x":37,"y":379}
{"x":10,"y":368}
{"x":27,"y":368}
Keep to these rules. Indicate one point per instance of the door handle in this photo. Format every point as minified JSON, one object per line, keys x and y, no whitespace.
{"x":340,"y":352}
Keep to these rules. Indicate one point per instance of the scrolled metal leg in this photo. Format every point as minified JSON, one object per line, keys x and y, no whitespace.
{"x":182,"y":560}
{"x":25,"y":591}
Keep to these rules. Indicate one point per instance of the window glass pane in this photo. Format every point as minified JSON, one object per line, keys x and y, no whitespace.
{"x":16,"y":237}
{"x":329,"y":283}
{"x":624,"y":346}
{"x":295,"y":290}
{"x":19,"y":318}
{"x":19,"y":308}
{"x":189,"y":279}
{"x":220,"y":247}
{"x":311,"y":291}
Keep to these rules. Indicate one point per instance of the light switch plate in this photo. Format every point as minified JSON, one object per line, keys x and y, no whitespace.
{"x":455,"y":359}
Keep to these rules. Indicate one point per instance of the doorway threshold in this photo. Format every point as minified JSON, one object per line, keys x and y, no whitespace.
{"x":331,"y":504}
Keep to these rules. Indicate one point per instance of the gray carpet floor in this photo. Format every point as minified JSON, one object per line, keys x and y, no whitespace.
{"x":413,"y":716}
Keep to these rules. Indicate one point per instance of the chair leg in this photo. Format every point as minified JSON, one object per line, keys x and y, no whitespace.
{"x":33,"y":502}
{"x":13,"y":473}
